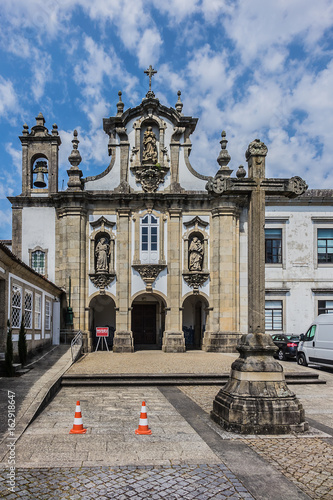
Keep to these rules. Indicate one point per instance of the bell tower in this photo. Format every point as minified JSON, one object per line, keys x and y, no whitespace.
{"x":40,"y":151}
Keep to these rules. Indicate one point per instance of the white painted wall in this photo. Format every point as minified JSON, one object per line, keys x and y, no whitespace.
{"x":300,"y":272}
{"x":38,"y":229}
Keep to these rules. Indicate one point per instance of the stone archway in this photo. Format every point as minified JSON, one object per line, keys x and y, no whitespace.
{"x":102,"y":313}
{"x":194,"y":320}
{"x":148,"y":321}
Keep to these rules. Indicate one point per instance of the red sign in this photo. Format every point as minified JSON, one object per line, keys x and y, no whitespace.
{"x":102,"y":331}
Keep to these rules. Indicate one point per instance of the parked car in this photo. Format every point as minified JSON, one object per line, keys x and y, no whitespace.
{"x":316,"y":345}
{"x":287,"y":345}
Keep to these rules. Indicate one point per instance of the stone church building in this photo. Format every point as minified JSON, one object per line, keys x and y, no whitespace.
{"x":153,"y":249}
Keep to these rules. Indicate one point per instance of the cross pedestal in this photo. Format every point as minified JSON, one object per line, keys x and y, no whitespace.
{"x":256,"y":399}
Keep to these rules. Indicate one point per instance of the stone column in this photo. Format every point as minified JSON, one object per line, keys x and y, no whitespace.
{"x":255,"y":156}
{"x":173,"y":337}
{"x":123,"y":337}
{"x":223,"y":321}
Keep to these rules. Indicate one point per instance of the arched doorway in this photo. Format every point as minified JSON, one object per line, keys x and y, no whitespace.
{"x":148,"y":320}
{"x":102,"y":313}
{"x":194,"y":320}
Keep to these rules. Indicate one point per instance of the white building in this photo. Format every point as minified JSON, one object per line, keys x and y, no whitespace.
{"x":299,"y":260}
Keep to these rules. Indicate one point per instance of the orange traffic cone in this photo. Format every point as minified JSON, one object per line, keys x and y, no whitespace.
{"x":78,"y":425}
{"x":143,"y":423}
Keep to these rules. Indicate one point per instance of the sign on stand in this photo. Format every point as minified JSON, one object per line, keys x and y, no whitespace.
{"x":102,"y":333}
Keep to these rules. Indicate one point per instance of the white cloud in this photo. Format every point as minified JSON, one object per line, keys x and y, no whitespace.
{"x":149,"y":47}
{"x":5,"y":223}
{"x":16,"y":156}
{"x":177,"y":10}
{"x":41,"y":73}
{"x":91,"y":74}
{"x":8,"y":98}
{"x":93,"y":147}
{"x":257,"y":26}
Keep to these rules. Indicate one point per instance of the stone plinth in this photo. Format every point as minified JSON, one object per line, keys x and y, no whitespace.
{"x":220,"y":341}
{"x":123,"y":341}
{"x":256,"y":399}
{"x":173,"y":342}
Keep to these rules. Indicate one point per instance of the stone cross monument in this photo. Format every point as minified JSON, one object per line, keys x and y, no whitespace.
{"x":256,"y":399}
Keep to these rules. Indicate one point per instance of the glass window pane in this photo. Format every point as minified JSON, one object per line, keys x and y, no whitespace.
{"x":325,"y":233}
{"x":273,"y":233}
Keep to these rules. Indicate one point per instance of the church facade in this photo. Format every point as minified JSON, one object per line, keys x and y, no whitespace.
{"x":152,"y":249}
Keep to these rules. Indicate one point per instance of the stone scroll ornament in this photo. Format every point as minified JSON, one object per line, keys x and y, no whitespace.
{"x":297,"y":185}
{"x":149,"y":273}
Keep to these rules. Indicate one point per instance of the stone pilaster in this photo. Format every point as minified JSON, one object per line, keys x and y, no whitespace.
{"x":17,"y":231}
{"x":123,"y":337}
{"x":173,"y":337}
{"x":71,"y":257}
{"x":222,"y":333}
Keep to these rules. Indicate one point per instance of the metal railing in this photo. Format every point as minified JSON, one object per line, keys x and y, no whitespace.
{"x":76,"y":346}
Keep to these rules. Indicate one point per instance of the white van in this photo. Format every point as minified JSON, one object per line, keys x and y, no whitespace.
{"x":316,"y":345}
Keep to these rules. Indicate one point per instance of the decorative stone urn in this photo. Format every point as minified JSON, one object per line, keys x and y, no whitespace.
{"x":256,"y":399}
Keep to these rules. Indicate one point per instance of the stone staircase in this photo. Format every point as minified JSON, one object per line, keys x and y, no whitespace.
{"x":152,"y":379}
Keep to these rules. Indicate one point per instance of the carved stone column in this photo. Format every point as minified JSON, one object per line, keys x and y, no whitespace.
{"x":173,"y":337}
{"x":255,"y":156}
{"x":123,"y":337}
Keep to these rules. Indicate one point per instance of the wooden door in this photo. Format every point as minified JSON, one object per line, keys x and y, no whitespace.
{"x":144,"y":323}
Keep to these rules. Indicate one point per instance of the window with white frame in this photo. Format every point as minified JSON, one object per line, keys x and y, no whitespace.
{"x":28,"y":309}
{"x":325,"y":245}
{"x":325,"y":307}
{"x":149,"y":242}
{"x":38,"y":261}
{"x":273,"y":246}
{"x":16,"y":306}
{"x":273,"y":315}
{"x":38,"y":312}
{"x":47,"y":315}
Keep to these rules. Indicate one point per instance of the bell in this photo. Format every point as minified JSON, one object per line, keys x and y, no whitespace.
{"x":40,"y":182}
{"x":40,"y":169}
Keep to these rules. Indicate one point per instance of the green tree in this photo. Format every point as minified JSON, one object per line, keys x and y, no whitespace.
{"x":22,"y":343}
{"x":9,"y":352}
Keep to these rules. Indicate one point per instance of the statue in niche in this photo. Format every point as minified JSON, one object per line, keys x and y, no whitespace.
{"x":149,"y":154}
{"x":102,"y":252}
{"x":196,"y":254}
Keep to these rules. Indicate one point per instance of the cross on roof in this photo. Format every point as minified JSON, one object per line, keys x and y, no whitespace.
{"x":150,"y":72}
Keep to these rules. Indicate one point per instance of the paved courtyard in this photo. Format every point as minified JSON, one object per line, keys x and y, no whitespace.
{"x":187,"y":456}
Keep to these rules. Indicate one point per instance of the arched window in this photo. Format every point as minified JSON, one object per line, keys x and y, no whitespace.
{"x":38,"y":261}
{"x":149,"y":240}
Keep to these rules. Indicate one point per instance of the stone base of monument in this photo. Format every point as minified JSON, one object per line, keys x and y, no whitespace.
{"x":256,"y":399}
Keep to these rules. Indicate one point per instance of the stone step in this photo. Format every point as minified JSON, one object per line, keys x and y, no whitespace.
{"x":171,"y":379}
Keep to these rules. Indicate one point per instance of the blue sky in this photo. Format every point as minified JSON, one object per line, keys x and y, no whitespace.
{"x":253,"y":68}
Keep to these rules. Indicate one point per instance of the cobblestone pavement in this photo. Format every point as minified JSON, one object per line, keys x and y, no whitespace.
{"x":306,"y":461}
{"x":200,"y":482}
